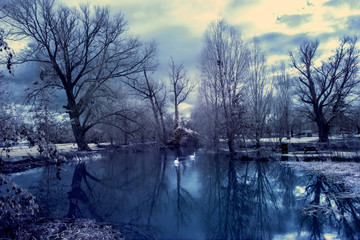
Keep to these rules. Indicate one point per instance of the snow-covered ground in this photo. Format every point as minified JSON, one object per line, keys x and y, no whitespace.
{"x":291,"y":140}
{"x":307,"y":139}
{"x":20,"y":152}
{"x":324,"y":154}
{"x":346,"y":172}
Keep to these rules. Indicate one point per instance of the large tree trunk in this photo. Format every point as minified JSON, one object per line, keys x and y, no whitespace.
{"x":74,"y":114}
{"x":231,"y":143}
{"x":159,"y":119}
{"x":163,"y":127}
{"x":257,"y":137}
{"x":216,"y":122}
{"x":323,"y":129}
{"x":322,"y":124}
{"x":215,"y":137}
{"x":176,"y":119}
{"x":79,"y":133}
{"x":229,"y":134}
{"x":287,"y":125}
{"x":156,"y":118}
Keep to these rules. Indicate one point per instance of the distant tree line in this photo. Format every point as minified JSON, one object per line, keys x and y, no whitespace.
{"x":242,"y":97}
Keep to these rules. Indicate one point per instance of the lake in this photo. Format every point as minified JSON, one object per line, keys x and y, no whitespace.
{"x":148,"y":195}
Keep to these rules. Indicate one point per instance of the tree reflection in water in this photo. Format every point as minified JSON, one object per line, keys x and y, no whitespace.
{"x":80,"y":194}
{"x":242,"y":200}
{"x":146,"y":196}
{"x":138,"y":185}
{"x":327,"y":204}
{"x":181,"y":200}
{"x":160,"y":186}
{"x":267,"y":213}
{"x":49,"y":192}
{"x":184,"y":200}
{"x":126,"y":194}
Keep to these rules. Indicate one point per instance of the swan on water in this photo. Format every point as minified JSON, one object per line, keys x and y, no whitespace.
{"x":176,"y":162}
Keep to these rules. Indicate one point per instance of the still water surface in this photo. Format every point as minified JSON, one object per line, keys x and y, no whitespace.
{"x":146,"y":195}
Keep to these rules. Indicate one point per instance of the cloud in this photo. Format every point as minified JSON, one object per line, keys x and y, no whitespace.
{"x":280,"y":44}
{"x":294,"y":20}
{"x":277,"y":45}
{"x":177,"y":42}
{"x":23,"y":77}
{"x":145,"y":17}
{"x":353,"y":23}
{"x":337,"y":3}
{"x":26,"y":73}
{"x":241,"y":3}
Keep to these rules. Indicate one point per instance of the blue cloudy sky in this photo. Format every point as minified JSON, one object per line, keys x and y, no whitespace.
{"x":178,"y":25}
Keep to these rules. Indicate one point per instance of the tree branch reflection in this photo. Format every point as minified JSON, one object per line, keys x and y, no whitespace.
{"x":328,"y":204}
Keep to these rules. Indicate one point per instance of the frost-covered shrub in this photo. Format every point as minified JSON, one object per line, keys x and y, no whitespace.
{"x":17,"y":207}
{"x":184,"y":136}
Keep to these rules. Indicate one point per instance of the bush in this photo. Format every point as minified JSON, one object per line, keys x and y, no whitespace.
{"x":17,"y":208}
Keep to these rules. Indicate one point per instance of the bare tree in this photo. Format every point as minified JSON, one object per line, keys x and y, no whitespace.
{"x":206,"y":116}
{"x":224,"y":64}
{"x":6,"y":53}
{"x":180,"y":88}
{"x":126,"y":122}
{"x":86,"y":49}
{"x":260,"y":89}
{"x":8,"y":125}
{"x":355,"y":117}
{"x":326,"y":88}
{"x":41,"y":99}
{"x":150,"y":89}
{"x":282,"y":109}
{"x":153,"y":92}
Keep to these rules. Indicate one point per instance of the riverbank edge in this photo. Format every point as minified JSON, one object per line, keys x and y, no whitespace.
{"x":69,"y":228}
{"x":16,"y":165}
{"x":269,"y":151}
{"x":64,"y":228}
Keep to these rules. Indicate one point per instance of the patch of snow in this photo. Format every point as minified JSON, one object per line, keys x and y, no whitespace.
{"x":291,"y":140}
{"x":285,"y":236}
{"x":30,"y":172}
{"x":20,"y":152}
{"x":299,"y":191}
{"x":301,"y":140}
{"x":303,"y":235}
{"x":87,"y":157}
{"x":324,"y":154}
{"x":346,"y":172}
{"x":331,"y":236}
{"x":304,"y":139}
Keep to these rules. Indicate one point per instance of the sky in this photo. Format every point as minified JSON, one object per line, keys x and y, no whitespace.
{"x":281,"y":25}
{"x":178,"y":25}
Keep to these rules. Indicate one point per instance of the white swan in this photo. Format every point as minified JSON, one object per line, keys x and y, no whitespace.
{"x":176,"y":162}
{"x":192,"y":157}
